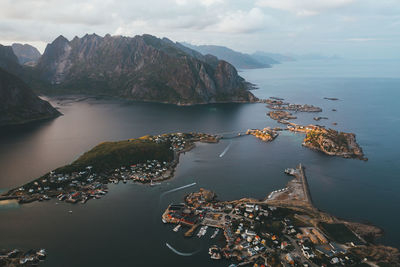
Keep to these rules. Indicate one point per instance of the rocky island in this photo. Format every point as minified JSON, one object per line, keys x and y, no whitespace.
{"x":276,"y":103}
{"x":329,"y":141}
{"x":334,"y":143}
{"x":284,"y":229}
{"x":148,"y":159}
{"x":281,"y":116}
{"x":266,"y":134}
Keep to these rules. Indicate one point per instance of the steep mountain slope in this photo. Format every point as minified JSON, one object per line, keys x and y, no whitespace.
{"x":18,"y":104}
{"x":143,"y":68}
{"x":26,"y":53}
{"x":9,"y":61}
{"x":237,"y":59}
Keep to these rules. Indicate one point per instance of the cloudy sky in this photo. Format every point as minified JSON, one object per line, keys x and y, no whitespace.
{"x":349,"y":28}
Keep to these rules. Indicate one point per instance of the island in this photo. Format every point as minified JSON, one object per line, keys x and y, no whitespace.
{"x":320,"y":118}
{"x":148,"y":159}
{"x":281,"y":116}
{"x":284,"y":229}
{"x":334,"y":143}
{"x":278,"y":104}
{"x":266,"y":134}
{"x":329,"y":141}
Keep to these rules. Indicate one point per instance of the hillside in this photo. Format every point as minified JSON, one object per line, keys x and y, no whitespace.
{"x":143,"y":68}
{"x":18,"y":104}
{"x":110,"y":155}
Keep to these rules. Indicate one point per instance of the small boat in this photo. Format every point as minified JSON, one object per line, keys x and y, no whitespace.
{"x":163,"y":220}
{"x":215,"y":233}
{"x":41,"y":253}
{"x":154,"y":184}
{"x":176,"y":228}
{"x":84,"y":200}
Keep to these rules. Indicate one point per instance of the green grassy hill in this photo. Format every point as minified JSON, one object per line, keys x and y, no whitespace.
{"x":110,"y":155}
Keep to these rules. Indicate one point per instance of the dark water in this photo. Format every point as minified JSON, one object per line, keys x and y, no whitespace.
{"x":124,"y":227}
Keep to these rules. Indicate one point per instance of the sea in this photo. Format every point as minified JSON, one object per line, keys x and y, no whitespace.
{"x":124,"y":228}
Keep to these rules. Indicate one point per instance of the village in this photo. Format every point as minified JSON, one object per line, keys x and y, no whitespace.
{"x":18,"y":257}
{"x":85,"y":184}
{"x":282,"y":230}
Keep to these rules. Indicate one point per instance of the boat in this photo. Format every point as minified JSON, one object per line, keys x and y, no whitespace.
{"x":41,"y":253}
{"x":202,"y":231}
{"x":84,"y":200}
{"x":176,"y":228}
{"x":154,"y":184}
{"x":163,"y":220}
{"x":215,"y":233}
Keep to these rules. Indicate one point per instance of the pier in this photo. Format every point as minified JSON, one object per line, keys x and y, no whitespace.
{"x":297,"y":192}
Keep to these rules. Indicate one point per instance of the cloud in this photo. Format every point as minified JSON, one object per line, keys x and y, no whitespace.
{"x":241,"y":21}
{"x":304,"y":7}
{"x":247,"y":25}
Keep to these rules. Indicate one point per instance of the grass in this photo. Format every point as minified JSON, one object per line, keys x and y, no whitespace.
{"x":110,"y":155}
{"x":340,"y":233}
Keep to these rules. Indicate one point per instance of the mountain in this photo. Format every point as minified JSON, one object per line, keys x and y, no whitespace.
{"x":265,"y":57}
{"x":143,"y":68}
{"x":237,"y":59}
{"x":18,"y":103}
{"x":9,"y":61}
{"x":26,"y":53}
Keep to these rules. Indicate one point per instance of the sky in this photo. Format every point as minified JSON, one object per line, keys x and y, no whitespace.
{"x":348,"y":28}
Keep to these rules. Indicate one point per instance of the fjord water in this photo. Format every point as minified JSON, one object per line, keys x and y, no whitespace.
{"x":124,"y":227}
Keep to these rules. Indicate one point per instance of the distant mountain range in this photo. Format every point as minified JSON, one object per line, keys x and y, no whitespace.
{"x":262,"y":56}
{"x":237,"y":59}
{"x":26,"y":53}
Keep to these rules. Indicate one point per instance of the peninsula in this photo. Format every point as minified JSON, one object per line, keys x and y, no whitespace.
{"x":148,"y":159}
{"x":282,"y":229}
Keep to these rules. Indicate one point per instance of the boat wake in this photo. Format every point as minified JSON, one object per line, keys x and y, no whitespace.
{"x":177,"y":189}
{"x":180,"y":253}
{"x":225,"y":150}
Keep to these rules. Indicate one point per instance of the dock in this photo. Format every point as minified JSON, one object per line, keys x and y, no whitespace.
{"x":191,"y":231}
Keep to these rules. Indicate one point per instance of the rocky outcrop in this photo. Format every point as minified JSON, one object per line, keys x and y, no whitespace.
{"x":26,"y":53}
{"x":334,"y":143}
{"x":143,"y":68}
{"x":18,"y":104}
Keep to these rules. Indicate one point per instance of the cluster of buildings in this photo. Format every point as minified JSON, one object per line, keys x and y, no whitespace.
{"x":257,"y":233}
{"x":295,"y":107}
{"x":17,"y":257}
{"x":80,"y":186}
{"x":266,"y":134}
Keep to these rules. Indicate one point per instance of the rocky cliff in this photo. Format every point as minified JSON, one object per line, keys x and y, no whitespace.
{"x":143,"y":68}
{"x":18,"y":104}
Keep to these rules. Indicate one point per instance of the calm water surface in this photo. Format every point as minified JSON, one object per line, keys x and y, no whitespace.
{"x":125,"y":226}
